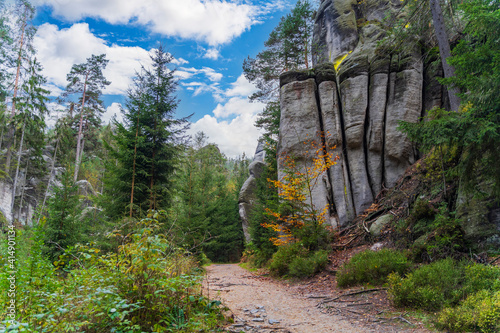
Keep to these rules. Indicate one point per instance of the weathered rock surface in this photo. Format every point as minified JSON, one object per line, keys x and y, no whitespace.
{"x":352,"y":102}
{"x":247,"y":197}
{"x":30,"y":191}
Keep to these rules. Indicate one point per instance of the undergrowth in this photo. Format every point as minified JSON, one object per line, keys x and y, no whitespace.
{"x":148,"y":285}
{"x":372,"y":267}
{"x":294,"y":260}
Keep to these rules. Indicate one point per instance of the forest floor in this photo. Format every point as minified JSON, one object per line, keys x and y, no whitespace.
{"x":259,"y":303}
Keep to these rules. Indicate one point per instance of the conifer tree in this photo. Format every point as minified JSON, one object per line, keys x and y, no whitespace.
{"x":87,"y":80}
{"x":147,"y":143}
{"x":31,"y":118}
{"x":207,"y":205}
{"x":23,"y":33}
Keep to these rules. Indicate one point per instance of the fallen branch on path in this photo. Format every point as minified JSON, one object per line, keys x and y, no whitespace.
{"x":350,"y":294}
{"x":400,"y":317}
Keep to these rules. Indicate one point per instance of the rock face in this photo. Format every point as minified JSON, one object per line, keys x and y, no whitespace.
{"x":352,"y":102}
{"x":247,"y":193}
{"x":29,"y":193}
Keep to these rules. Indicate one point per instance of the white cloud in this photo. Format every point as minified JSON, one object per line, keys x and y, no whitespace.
{"x":58,"y":50}
{"x":237,"y":106}
{"x":237,"y":135}
{"x":212,"y":21}
{"x":212,"y":54}
{"x":210,"y":73}
{"x":114,"y":110}
{"x":180,"y":61}
{"x":233,"y":137}
{"x":242,"y":87}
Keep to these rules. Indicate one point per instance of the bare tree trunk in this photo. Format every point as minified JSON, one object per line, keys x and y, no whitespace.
{"x":48,"y":183}
{"x":17,"y":172}
{"x":22,"y":192}
{"x":444,"y":51}
{"x":133,"y":167}
{"x":79,"y":139}
{"x":10,"y":136}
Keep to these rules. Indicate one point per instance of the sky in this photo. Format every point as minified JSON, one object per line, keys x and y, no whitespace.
{"x":209,"y":39}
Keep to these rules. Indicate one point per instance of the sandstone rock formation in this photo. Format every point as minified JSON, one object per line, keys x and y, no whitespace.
{"x":29,"y":192}
{"x":247,"y":193}
{"x":352,"y":102}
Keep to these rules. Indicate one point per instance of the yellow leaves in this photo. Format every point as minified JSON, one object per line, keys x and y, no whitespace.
{"x":295,"y":188}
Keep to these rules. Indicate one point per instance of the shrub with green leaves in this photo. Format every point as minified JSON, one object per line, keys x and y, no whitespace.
{"x":149,"y":285}
{"x":443,"y":283}
{"x":372,"y":267}
{"x":304,"y":267}
{"x":294,"y":260}
{"x":430,"y":287}
{"x":480,"y":312}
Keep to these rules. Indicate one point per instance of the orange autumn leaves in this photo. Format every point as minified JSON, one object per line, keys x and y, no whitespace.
{"x":295,"y":190}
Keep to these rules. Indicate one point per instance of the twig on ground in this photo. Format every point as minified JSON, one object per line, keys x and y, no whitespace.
{"x":351,"y":294}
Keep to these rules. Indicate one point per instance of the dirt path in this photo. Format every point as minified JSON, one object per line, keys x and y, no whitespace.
{"x":260,"y":304}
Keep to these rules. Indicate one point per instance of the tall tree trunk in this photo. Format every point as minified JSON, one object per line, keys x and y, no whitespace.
{"x":133,"y":167}
{"x":79,"y":138}
{"x":22,"y":192}
{"x":48,"y":183}
{"x":17,"y":171}
{"x":10,"y":137}
{"x":444,"y":50}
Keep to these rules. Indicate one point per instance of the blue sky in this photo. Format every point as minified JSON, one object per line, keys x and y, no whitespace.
{"x":209,"y":40}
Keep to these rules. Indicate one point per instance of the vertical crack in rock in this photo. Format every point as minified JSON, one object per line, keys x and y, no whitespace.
{"x":387,"y":97}
{"x":349,"y":191}
{"x":332,"y":210}
{"x":366,"y":134}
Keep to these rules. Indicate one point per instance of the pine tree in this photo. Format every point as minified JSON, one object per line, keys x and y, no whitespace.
{"x":23,"y":50}
{"x":87,"y":79}
{"x":31,"y":118}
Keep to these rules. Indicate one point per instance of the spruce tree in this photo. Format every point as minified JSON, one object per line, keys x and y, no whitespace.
{"x":146,"y":145}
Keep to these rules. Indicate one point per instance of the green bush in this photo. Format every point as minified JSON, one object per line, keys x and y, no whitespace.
{"x":149,"y":285}
{"x":430,"y":287}
{"x":294,"y":260}
{"x":480,"y":312}
{"x":304,"y":267}
{"x":372,"y":267}
{"x":282,"y":259}
{"x":443,"y":283}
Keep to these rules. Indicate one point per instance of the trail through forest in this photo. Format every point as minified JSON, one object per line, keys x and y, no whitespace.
{"x":260,"y":304}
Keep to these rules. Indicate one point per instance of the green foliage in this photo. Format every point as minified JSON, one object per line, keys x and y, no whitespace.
{"x":305,"y":267}
{"x":372,"y":267}
{"x":62,"y":226}
{"x":475,"y":130}
{"x":145,"y":148}
{"x":431,"y":233}
{"x":149,"y":285}
{"x":266,"y":196}
{"x":441,"y":284}
{"x":430,"y":287}
{"x":206,"y":202}
{"x":282,"y":259}
{"x":480,"y":312}
{"x":294,"y":260}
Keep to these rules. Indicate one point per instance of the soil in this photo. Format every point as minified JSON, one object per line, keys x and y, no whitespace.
{"x":259,"y":303}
